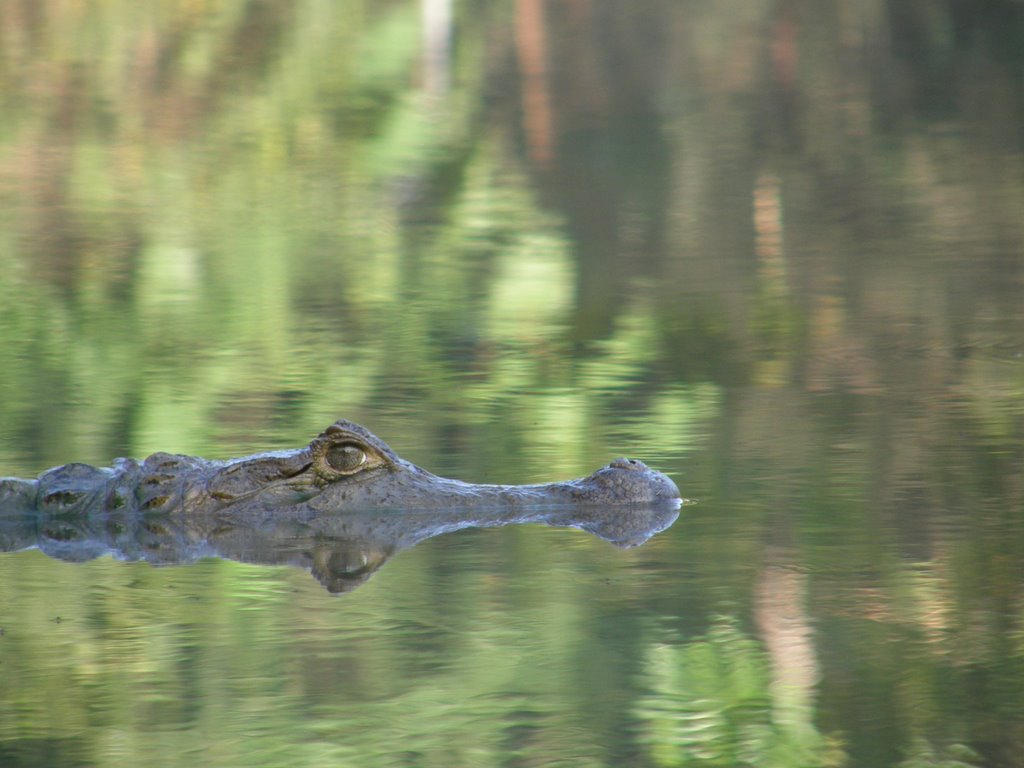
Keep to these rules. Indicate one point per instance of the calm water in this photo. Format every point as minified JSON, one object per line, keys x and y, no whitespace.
{"x":775,"y":250}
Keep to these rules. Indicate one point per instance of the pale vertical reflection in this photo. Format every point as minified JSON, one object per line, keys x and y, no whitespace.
{"x":773,"y":293}
{"x":785,"y":628}
{"x":768,"y":231}
{"x":437,"y":38}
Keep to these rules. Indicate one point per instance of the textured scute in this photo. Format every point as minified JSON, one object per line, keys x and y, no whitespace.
{"x":69,"y":486}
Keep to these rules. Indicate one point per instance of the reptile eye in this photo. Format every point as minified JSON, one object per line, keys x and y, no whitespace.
{"x":345,"y":457}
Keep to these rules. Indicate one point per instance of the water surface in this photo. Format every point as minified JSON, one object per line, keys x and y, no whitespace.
{"x":775,"y":250}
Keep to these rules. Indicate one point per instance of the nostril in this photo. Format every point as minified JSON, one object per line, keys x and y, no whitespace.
{"x":624,"y":463}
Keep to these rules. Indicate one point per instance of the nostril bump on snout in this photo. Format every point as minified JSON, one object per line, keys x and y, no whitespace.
{"x":624,"y":463}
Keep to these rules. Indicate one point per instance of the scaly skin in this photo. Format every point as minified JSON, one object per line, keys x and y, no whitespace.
{"x":345,"y":468}
{"x":340,"y":507}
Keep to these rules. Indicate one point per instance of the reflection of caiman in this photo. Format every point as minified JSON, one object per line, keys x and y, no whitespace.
{"x":341,"y":506}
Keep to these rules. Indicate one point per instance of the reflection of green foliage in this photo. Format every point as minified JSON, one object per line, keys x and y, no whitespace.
{"x":710,"y":704}
{"x":223,"y":224}
{"x":239,"y":278}
{"x":258,"y":666}
{"x":925,"y":755}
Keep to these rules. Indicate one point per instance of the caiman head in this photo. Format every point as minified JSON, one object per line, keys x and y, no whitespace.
{"x":348,"y":467}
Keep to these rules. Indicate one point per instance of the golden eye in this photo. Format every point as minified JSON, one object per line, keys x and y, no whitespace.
{"x":345,"y":458}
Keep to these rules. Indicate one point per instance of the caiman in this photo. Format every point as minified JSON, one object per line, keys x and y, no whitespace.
{"x":341,"y":506}
{"x":346,"y":467}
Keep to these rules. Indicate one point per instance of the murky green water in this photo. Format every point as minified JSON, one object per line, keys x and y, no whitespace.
{"x":774,"y":250}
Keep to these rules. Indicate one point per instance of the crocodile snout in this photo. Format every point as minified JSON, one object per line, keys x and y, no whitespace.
{"x":627,"y":481}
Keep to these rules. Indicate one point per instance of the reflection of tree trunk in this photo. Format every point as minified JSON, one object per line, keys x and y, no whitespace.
{"x":437,"y":38}
{"x":531,"y":44}
{"x":786,"y":632}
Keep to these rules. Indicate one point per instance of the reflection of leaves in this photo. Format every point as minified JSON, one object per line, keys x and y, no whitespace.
{"x":925,"y":755}
{"x":710,"y":704}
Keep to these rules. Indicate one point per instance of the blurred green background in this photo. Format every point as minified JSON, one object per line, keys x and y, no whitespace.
{"x":774,"y":248}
